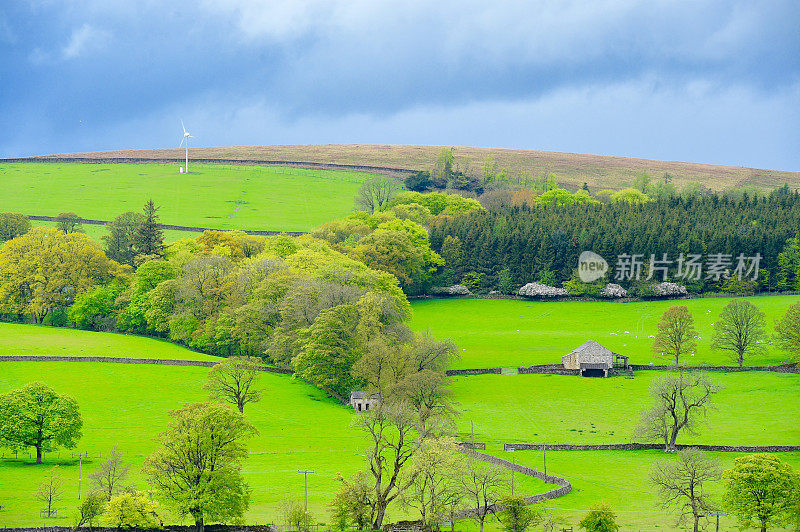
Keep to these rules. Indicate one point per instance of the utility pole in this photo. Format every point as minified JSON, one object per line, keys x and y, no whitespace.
{"x":305,"y":510}
{"x":472,"y":430}
{"x":80,"y":457}
{"x":544,"y":448}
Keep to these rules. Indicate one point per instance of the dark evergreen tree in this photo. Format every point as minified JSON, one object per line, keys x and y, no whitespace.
{"x":149,"y":237}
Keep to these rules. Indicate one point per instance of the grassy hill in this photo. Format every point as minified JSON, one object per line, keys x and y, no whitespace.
{"x":571,"y":169}
{"x":502,"y":332}
{"x":216,"y":196}
{"x":17,"y":339}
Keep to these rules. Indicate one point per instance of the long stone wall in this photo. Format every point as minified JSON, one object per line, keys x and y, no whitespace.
{"x":89,"y":221}
{"x":650,"y":446}
{"x":121,"y":360}
{"x":558,"y":369}
{"x":564,"y":485}
{"x":167,"y":528}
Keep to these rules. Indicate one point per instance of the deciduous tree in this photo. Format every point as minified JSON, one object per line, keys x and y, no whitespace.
{"x":12,"y":225}
{"x":787,"y":331}
{"x":36,"y":416}
{"x":69,"y":222}
{"x":682,"y":483}
{"x":197,"y":467}
{"x":233,"y":380}
{"x":679,"y":401}
{"x":51,"y":491}
{"x":676,"y":333}
{"x":760,"y":489}
{"x":435,"y":489}
{"x":600,"y":519}
{"x":109,"y":476}
{"x":132,"y":511}
{"x":46,"y":269}
{"x":482,"y":484}
{"x":740,"y":330}
{"x":375,"y":193}
{"x":516,"y":515}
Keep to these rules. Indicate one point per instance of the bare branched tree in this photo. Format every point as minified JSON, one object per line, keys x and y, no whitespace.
{"x":395,"y":437}
{"x":233,"y":381}
{"x":483,"y":484}
{"x":108,"y":478}
{"x":740,"y":330}
{"x":680,"y":400}
{"x":375,"y":193}
{"x":51,"y":490}
{"x":681,"y":483}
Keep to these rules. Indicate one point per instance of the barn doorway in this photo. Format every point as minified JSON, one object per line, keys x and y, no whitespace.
{"x":590,"y":372}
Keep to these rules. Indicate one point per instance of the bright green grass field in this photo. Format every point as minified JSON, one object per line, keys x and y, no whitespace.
{"x":503,"y":332}
{"x":754,"y":408}
{"x":127,"y":405}
{"x":18,"y":339}
{"x":620,"y":479}
{"x":217,"y":196}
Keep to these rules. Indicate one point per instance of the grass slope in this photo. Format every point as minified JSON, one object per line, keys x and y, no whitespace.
{"x":620,"y":479}
{"x":572,"y":169}
{"x":217,"y":196}
{"x":17,"y":339}
{"x":754,"y":408}
{"x":128,"y":406}
{"x":502,"y":332}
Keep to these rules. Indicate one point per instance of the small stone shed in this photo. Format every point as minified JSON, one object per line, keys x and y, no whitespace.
{"x":593,"y":360}
{"x":362,"y":401}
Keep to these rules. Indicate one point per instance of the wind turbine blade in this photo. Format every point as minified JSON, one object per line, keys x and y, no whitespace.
{"x":183,"y":127}
{"x":181,"y":144}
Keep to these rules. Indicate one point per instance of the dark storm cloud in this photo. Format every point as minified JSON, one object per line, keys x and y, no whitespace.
{"x":89,"y":75}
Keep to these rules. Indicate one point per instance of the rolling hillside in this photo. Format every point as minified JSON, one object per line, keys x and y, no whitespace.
{"x":572,"y":169}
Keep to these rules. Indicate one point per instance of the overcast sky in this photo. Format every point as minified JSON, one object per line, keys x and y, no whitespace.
{"x":691,"y":80}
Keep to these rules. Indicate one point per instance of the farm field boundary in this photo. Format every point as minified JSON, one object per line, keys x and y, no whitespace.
{"x":557,"y":369}
{"x":175,"y":227}
{"x":120,"y":360}
{"x":650,"y":446}
{"x":564,"y":485}
{"x":386,"y":170}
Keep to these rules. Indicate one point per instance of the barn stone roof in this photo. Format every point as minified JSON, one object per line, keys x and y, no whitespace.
{"x":592,"y":352}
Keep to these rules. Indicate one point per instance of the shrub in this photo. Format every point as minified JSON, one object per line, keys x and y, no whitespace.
{"x":455,"y":290}
{"x":542,"y":290}
{"x":600,"y":519}
{"x":613,"y":291}
{"x":132,"y":510}
{"x":419,"y":182}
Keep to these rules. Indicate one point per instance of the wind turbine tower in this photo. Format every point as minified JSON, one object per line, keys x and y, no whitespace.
{"x":185,"y":142}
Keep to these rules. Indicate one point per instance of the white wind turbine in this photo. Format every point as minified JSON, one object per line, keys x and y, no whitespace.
{"x":185,"y":141}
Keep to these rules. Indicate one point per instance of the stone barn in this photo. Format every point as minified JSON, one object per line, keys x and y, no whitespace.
{"x":362,"y":401}
{"x":593,"y":360}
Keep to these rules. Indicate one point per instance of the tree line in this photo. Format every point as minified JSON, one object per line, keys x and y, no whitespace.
{"x":513,"y":242}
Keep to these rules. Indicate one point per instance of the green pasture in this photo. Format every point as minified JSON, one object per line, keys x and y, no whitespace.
{"x":128,"y":405}
{"x":621,"y":480}
{"x":509,"y":332}
{"x":216,"y":196}
{"x":18,"y":339}
{"x":754,"y":408}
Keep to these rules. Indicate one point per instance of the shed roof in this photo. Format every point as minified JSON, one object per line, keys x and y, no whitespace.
{"x":361,"y":395}
{"x":592,"y":348}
